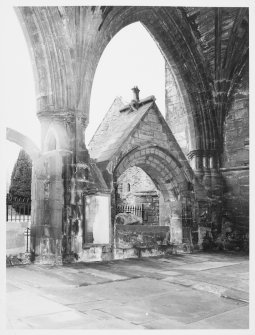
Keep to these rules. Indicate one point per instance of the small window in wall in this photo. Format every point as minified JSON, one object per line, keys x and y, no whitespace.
{"x":52,"y":145}
{"x":128,"y":187}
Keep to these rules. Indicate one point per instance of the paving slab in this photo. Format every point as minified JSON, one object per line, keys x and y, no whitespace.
{"x":182,"y":292}
{"x":11,"y":288}
{"x":233,"y":319}
{"x":205,"y":278}
{"x":16,"y":323}
{"x":100,"y":315}
{"x":94,"y":305}
{"x":71,"y":276}
{"x":131,"y":313}
{"x":106,"y":275}
{"x":164,"y":323}
{"x":204,"y":285}
{"x":22,"y":304}
{"x":75,"y":320}
{"x":127,"y":290}
{"x":180,"y":281}
{"x":236,"y":295}
{"x":185,"y":305}
{"x":32,"y":276}
{"x":206,"y":265}
{"x":73,"y":295}
{"x":170,"y":273}
{"x":171,"y":262}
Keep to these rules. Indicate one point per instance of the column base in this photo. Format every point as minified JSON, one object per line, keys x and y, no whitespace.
{"x":49,"y":259}
{"x":47,"y":251}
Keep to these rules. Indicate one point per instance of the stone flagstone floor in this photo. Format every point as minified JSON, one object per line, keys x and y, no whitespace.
{"x":192,"y":291}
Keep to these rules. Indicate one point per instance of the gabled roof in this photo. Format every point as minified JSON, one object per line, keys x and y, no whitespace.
{"x":113,"y":131}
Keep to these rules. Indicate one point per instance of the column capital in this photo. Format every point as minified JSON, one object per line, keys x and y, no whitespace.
{"x":62,"y":115}
{"x":202,"y":153}
{"x":195,"y":153}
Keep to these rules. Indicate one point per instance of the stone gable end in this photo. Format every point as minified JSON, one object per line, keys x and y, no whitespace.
{"x":151,"y":131}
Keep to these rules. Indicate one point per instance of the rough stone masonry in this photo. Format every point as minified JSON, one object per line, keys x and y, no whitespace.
{"x":201,"y":165}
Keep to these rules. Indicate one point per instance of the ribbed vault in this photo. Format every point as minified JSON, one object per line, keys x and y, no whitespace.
{"x":207,"y":49}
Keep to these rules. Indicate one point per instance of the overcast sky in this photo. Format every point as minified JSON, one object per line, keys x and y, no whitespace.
{"x":131,"y":58}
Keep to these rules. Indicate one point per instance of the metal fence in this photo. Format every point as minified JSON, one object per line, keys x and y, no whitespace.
{"x":138,"y":210}
{"x":18,"y":208}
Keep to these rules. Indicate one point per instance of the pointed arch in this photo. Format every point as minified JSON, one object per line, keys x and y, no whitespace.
{"x":23,"y":141}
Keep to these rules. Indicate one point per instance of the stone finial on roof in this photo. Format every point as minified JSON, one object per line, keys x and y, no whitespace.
{"x":136,"y":91}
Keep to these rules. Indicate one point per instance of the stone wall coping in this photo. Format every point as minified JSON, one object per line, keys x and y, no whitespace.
{"x":143,"y":227}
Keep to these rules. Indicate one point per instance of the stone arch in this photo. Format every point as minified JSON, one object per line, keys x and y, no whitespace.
{"x":170,"y":33}
{"x":168,"y":177}
{"x":193,"y":105}
{"x":57,"y":67}
{"x":163,"y":169}
{"x":23,"y":141}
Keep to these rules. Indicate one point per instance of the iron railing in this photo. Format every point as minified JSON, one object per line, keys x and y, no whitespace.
{"x":138,"y":210}
{"x":18,"y":208}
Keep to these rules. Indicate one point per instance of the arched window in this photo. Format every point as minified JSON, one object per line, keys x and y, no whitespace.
{"x":128,"y":187}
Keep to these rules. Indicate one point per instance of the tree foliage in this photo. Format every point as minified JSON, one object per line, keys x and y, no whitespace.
{"x":21,"y":176}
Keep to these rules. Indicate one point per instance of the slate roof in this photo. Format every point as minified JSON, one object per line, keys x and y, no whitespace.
{"x":116,"y":126}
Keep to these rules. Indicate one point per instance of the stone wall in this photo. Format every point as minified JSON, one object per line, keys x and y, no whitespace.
{"x":235,"y":169}
{"x":15,"y":238}
{"x":138,"y":240}
{"x":236,"y":139}
{"x":176,"y":114}
{"x":138,"y":180}
{"x":135,"y":187}
{"x":150,"y":203}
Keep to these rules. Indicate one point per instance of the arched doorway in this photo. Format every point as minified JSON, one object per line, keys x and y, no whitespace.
{"x":168,"y":177}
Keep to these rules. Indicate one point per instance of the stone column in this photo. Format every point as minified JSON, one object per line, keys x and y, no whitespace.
{"x":47,"y":208}
{"x":79,"y":182}
{"x":114,"y":199}
{"x":216,"y":178}
{"x":176,"y":222}
{"x":164,"y":211}
{"x":205,"y":165}
{"x":60,"y":177}
{"x":207,"y":171}
{"x":196,"y":162}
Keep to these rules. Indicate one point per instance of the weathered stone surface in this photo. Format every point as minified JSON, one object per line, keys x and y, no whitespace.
{"x":135,"y":188}
{"x":206,"y":51}
{"x":141,"y":239}
{"x":128,"y":219}
{"x":236,"y":162}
